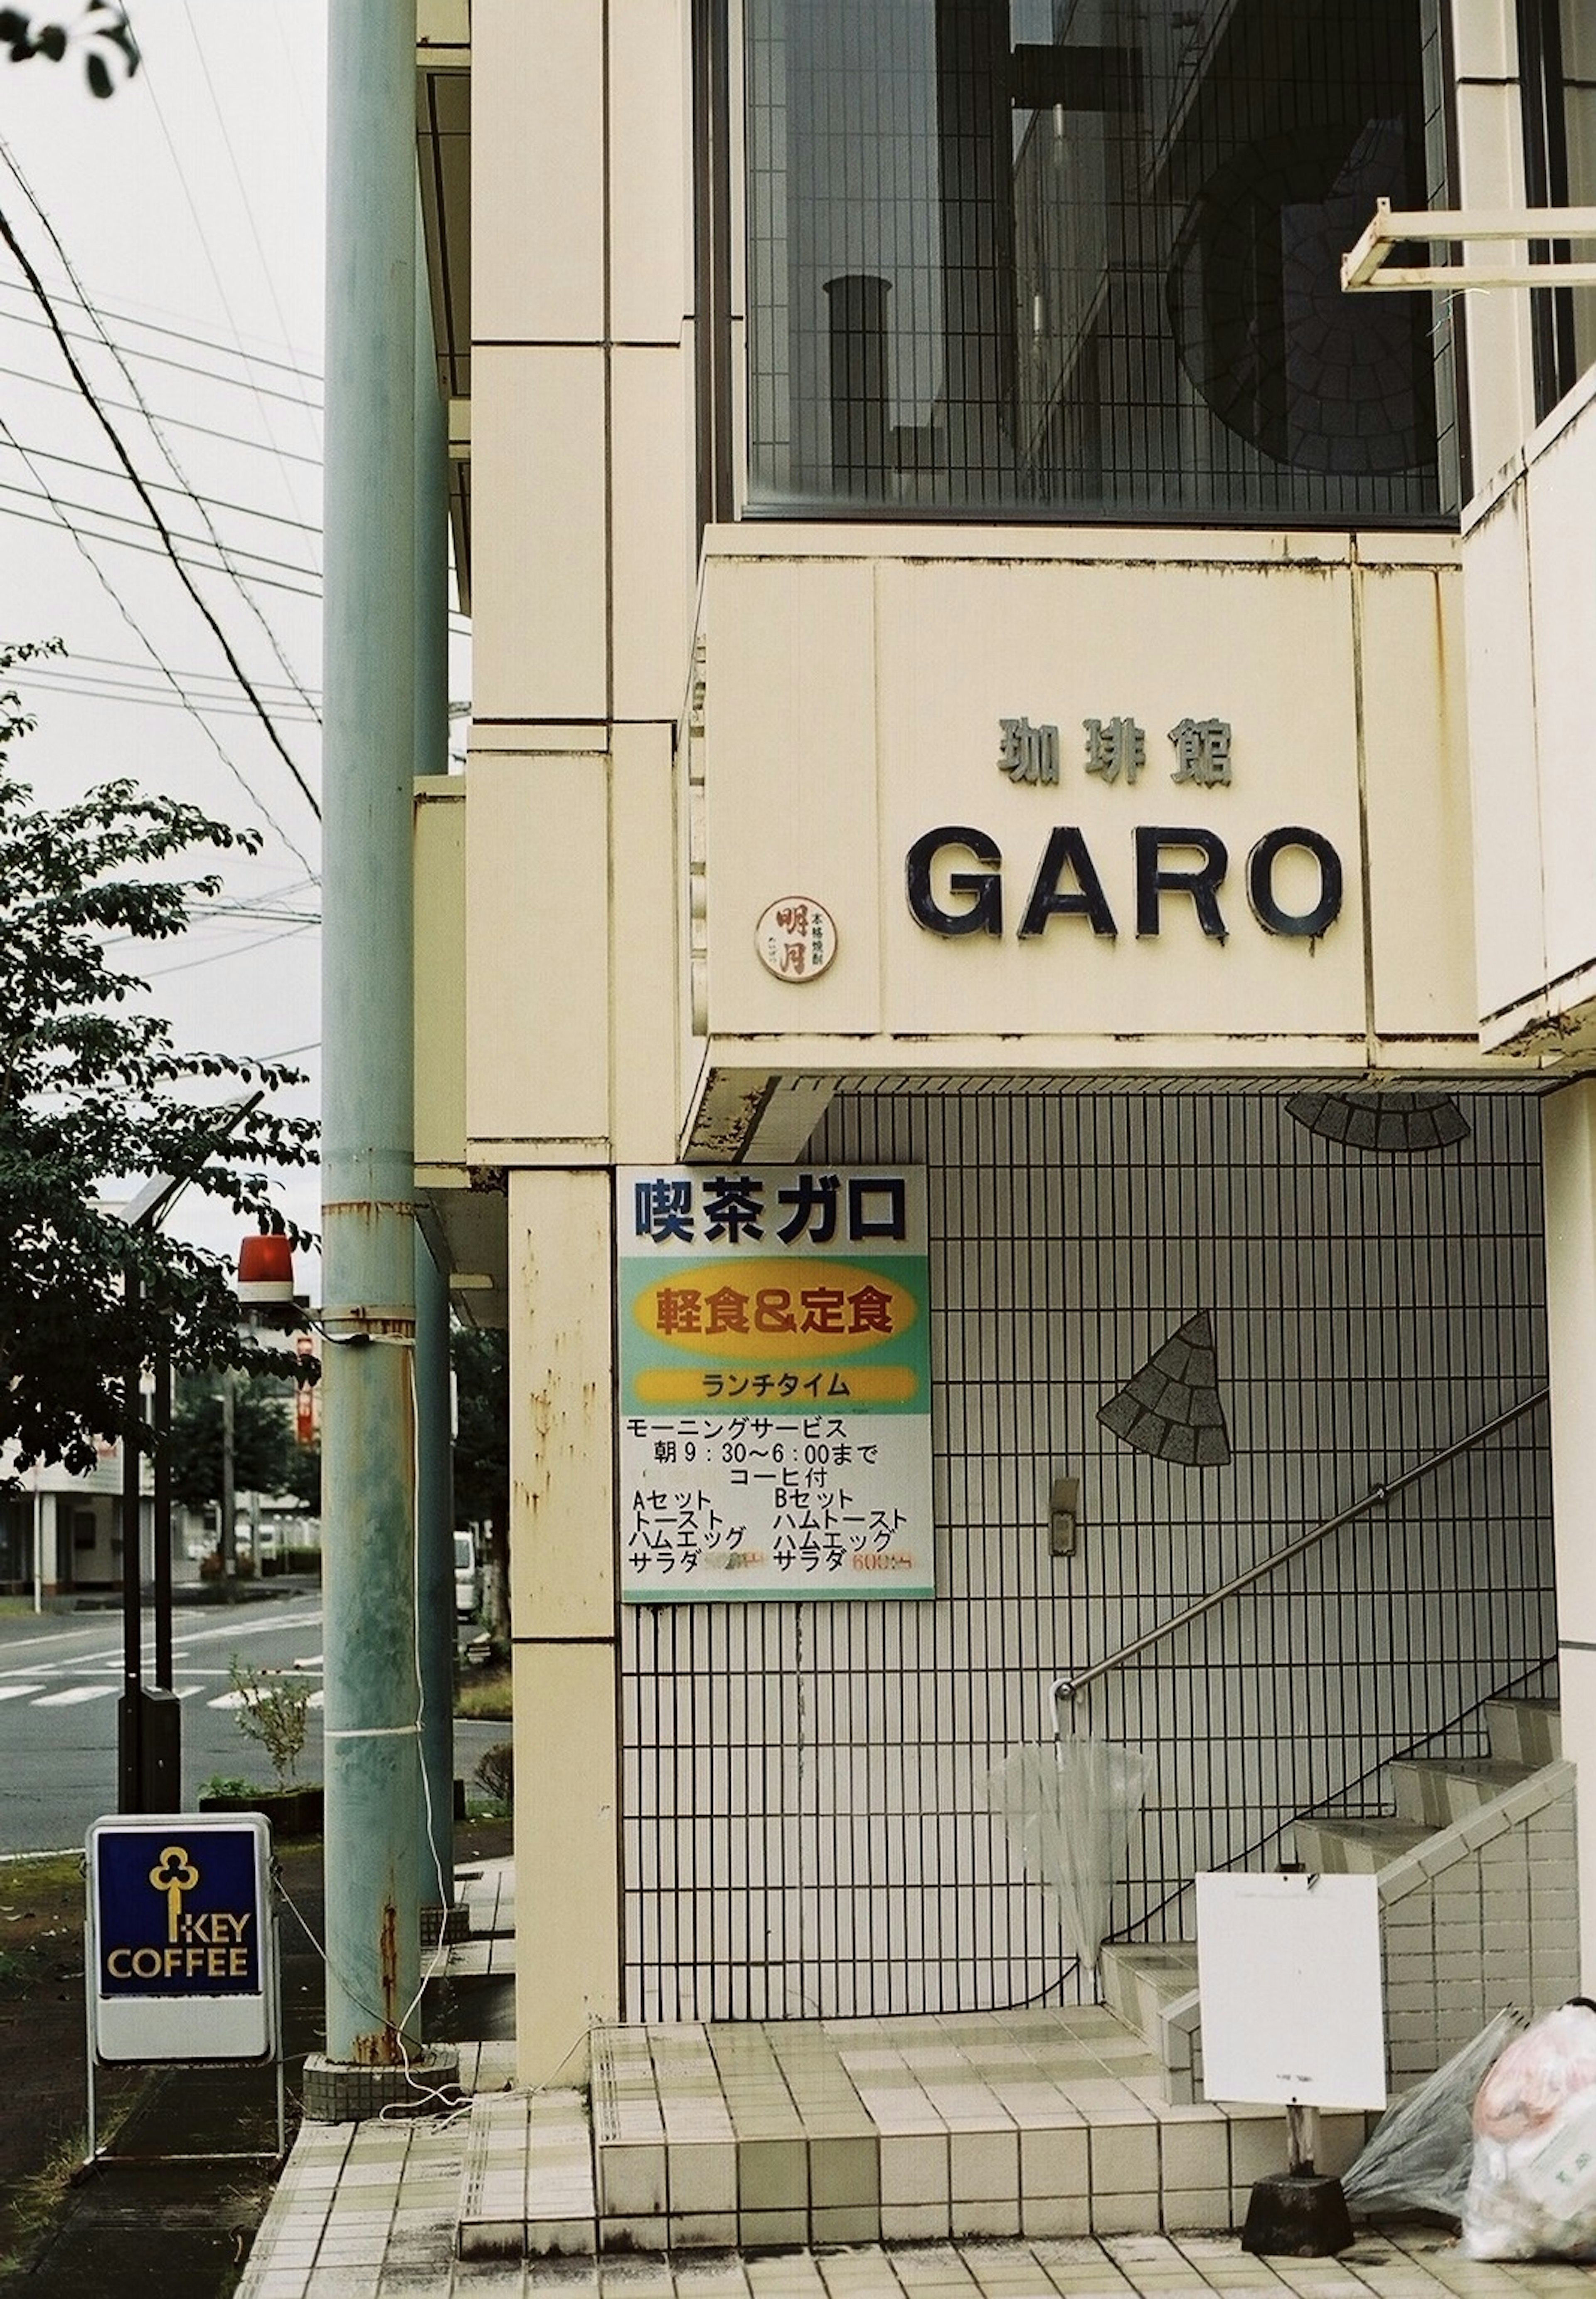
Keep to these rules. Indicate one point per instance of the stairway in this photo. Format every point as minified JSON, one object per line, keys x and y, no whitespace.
{"x":775,"y":2135}
{"x":1478,"y":1898}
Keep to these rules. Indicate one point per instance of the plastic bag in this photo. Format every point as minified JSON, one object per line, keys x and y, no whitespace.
{"x":1067,"y":1810}
{"x":1532,"y":2190}
{"x":1419,"y":2155}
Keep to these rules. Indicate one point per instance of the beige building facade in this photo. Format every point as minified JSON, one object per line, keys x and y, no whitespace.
{"x":1148,"y":693}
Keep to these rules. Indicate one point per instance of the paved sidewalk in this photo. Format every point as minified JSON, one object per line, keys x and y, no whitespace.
{"x":366,"y":2211}
{"x":371,"y":2210}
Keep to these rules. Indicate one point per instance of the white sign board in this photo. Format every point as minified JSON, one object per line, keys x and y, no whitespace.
{"x":1288,"y":1969}
{"x":774,"y":1383}
{"x":182,"y":1960}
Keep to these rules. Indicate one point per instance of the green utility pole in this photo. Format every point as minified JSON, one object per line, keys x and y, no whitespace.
{"x":435,"y":1485}
{"x":368,"y":1456}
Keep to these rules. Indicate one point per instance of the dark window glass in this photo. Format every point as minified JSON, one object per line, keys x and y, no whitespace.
{"x":1074,"y":259}
{"x":1556,"y":61}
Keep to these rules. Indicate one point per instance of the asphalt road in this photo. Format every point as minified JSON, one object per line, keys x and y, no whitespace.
{"x":60,"y":1675}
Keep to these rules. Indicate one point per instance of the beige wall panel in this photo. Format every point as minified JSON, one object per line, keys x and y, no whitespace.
{"x":567,"y":1915}
{"x":1269,"y":651}
{"x":650,"y":171}
{"x":537,"y":184}
{"x":1562,"y":579}
{"x":539,"y":549}
{"x":646,"y":940}
{"x":1485,"y":39}
{"x":537,"y":950}
{"x":1509,"y":910}
{"x":654,"y":553}
{"x":790,"y":751}
{"x":440,"y":1027}
{"x":561,"y":1539}
{"x":1420,"y":849}
{"x":1490,"y":175}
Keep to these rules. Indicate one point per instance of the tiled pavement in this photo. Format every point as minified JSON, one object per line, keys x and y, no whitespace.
{"x":369,"y":2212}
{"x":372,"y":2211}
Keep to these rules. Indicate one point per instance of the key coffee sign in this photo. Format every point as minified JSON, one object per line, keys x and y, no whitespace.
{"x":182,"y":1956}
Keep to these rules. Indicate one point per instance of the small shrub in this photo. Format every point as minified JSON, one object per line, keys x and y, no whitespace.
{"x":227,"y":1784}
{"x":244,"y":1566}
{"x":496,"y":1775}
{"x":274,"y":1708}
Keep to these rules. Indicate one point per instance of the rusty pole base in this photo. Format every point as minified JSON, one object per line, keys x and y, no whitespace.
{"x":337,"y":2091}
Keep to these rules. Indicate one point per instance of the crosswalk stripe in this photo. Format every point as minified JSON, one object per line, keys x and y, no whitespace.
{"x":74,"y":1694}
{"x":18,"y":1691}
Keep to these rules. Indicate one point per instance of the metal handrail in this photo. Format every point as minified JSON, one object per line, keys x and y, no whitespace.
{"x":1068,"y":1688}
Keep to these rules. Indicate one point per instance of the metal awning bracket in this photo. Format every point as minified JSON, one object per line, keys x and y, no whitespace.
{"x":1365,"y":267}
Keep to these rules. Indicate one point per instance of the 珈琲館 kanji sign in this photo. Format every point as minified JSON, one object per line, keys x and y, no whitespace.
{"x":774,"y":1374}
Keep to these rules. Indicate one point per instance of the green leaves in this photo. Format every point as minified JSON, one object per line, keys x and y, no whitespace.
{"x":94,"y":1095}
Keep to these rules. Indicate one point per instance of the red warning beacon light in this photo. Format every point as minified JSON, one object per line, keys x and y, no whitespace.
{"x":266,"y":1271}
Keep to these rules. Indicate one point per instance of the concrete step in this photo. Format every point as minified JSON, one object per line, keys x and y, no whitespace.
{"x":1141,"y":1979}
{"x":1334,"y":1847}
{"x":527,"y":2191}
{"x":780,"y":2134}
{"x":1524,"y":1732}
{"x":1435,"y":1791}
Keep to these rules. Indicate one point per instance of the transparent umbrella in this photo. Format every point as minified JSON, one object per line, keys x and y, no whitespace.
{"x":1068,"y":1809}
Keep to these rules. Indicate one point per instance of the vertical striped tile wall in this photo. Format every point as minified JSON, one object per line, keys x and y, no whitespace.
{"x":804,"y":1832}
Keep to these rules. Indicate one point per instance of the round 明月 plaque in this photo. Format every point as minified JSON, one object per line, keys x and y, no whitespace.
{"x":795,"y":938}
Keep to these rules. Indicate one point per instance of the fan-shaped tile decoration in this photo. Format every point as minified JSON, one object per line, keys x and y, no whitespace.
{"x":1392,"y":1124}
{"x":1171,"y":1408}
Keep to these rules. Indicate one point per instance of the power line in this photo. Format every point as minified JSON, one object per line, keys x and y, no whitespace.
{"x":177,"y":161}
{"x":178,"y":422}
{"x":312,"y":590}
{"x":86,"y":388}
{"x":81,"y":543}
{"x":194,"y":542}
{"x":252,"y":604}
{"x":126,"y":691}
{"x":242,"y":949}
{"x":128,"y":318}
{"x":165,"y":488}
{"x":459,"y":624}
{"x":189,"y":678}
{"x":248,"y":205}
{"x":181,"y":367}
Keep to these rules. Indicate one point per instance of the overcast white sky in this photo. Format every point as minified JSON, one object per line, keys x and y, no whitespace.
{"x":190,"y":207}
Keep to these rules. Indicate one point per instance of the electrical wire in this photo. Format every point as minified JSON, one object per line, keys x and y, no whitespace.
{"x":247,"y":204}
{"x":177,"y":422}
{"x":128,"y":317}
{"x":190,"y":677}
{"x":81,"y":543}
{"x":153,"y":91}
{"x":312,"y":590}
{"x":165,"y":358}
{"x":245,"y":948}
{"x":165,"y":488}
{"x":123,"y":691}
{"x":252,"y":603}
{"x":21,"y":257}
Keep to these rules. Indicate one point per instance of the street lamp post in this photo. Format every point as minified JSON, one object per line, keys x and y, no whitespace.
{"x":149,"y":1768}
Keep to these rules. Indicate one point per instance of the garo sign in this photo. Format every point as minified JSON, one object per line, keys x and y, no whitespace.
{"x":1169,"y":867}
{"x":182,"y":1961}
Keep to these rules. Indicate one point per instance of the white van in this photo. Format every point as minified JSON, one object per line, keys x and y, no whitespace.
{"x":466,"y":1591}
